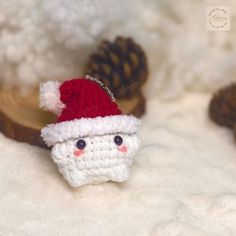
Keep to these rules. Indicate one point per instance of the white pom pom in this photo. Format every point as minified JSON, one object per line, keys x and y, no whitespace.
{"x":49,"y":97}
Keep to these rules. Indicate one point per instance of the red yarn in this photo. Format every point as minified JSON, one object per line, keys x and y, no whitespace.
{"x":85,"y":98}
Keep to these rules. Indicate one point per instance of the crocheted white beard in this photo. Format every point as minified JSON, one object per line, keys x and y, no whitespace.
{"x":102,"y":159}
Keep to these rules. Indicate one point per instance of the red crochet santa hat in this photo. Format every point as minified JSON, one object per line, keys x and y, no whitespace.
{"x":84,"y":108}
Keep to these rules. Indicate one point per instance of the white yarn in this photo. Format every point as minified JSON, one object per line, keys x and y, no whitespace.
{"x":49,"y":97}
{"x":59,"y":132}
{"x":101,"y":161}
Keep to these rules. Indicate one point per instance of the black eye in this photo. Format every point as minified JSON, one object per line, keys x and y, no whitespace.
{"x":118,"y":140}
{"x":81,"y":144}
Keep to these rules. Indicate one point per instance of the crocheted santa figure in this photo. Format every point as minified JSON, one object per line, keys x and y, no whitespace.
{"x":92,"y":140}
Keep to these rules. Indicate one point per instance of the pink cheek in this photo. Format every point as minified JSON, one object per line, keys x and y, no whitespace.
{"x":78,"y":152}
{"x":122,"y":148}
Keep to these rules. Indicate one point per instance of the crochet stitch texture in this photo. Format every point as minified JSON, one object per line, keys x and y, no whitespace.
{"x":92,"y":140}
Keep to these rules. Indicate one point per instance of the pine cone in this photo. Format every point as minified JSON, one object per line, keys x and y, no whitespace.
{"x":121,"y":65}
{"x":222,"y":107}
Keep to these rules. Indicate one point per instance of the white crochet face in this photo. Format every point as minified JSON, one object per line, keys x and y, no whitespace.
{"x":96,"y":159}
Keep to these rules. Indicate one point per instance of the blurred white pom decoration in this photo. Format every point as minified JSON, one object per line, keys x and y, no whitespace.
{"x":53,"y":39}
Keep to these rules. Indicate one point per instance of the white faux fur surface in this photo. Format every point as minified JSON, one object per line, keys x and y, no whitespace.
{"x":182,"y":183}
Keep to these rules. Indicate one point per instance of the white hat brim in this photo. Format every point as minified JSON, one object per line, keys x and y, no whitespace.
{"x":59,"y":132}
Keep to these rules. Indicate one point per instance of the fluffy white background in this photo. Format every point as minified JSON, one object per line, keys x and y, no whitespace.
{"x":41,"y":40}
{"x":183,"y":179}
{"x":182,"y":183}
